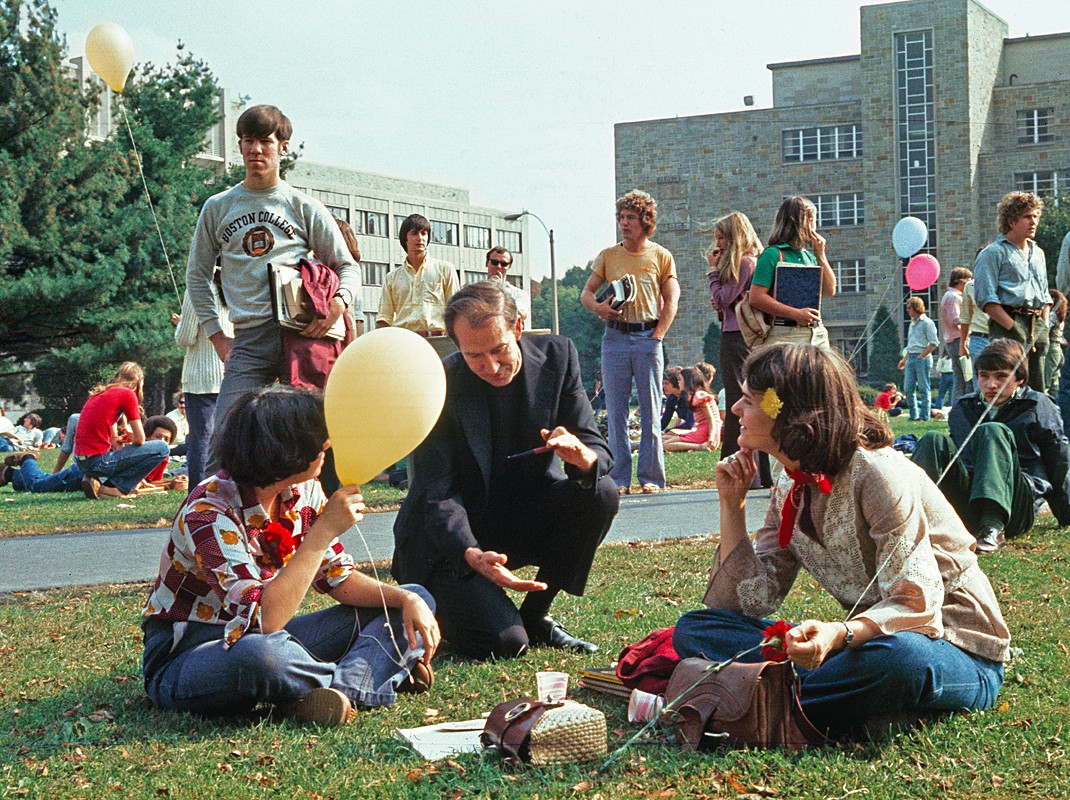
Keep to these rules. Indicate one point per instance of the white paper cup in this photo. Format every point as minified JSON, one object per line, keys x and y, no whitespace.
{"x":643,"y":706}
{"x":553,"y":686}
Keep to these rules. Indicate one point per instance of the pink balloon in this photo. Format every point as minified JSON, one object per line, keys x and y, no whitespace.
{"x":922,"y":272}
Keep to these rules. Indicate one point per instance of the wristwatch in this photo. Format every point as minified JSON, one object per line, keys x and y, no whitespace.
{"x":849,"y":638}
{"x":344,"y":296}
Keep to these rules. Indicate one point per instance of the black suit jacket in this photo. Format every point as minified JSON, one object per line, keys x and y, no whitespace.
{"x":452,"y":467}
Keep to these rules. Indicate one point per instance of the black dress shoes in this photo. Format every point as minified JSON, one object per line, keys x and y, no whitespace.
{"x":548,"y":631}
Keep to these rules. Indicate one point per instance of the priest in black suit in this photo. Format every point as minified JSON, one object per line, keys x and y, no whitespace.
{"x":481,"y":504}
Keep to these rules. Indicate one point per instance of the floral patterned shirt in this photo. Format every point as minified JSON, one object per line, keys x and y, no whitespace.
{"x":217,"y":560}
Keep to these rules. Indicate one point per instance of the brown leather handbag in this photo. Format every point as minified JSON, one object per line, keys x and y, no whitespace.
{"x":751,"y":705}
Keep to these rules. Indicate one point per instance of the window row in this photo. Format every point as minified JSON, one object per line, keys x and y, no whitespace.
{"x":374,"y":223}
{"x":820,"y":144}
{"x":373,"y":273}
{"x":1048,"y":183}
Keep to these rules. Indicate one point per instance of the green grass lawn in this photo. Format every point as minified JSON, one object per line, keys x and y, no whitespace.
{"x":74,"y":722}
{"x":23,"y":514}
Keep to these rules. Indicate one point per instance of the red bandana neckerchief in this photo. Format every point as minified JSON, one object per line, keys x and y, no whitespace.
{"x":794,"y":500}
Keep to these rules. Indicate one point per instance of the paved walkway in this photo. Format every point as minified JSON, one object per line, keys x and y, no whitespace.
{"x":76,"y":559}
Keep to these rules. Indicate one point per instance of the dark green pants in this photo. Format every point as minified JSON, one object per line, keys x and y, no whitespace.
{"x":995,"y":475}
{"x":1028,"y":328}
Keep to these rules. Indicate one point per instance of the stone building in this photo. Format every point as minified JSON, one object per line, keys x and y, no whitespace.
{"x":939,"y":116}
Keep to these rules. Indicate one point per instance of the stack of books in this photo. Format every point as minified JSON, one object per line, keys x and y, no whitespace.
{"x":604,"y":680}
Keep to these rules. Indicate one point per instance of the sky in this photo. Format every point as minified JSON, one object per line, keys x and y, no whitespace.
{"x":514,"y":102}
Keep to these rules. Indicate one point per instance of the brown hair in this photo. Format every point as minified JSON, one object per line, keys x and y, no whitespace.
{"x":262,"y":121}
{"x":959,"y":275}
{"x":917,"y":304}
{"x":479,"y":303}
{"x":413,"y":222}
{"x":502,"y":250}
{"x":823,"y":420}
{"x":642,"y":204}
{"x":1003,"y":354}
{"x":1015,"y":205}
{"x":707,"y":370}
{"x":790,"y":226}
{"x":349,"y":238}
{"x":674,"y":375}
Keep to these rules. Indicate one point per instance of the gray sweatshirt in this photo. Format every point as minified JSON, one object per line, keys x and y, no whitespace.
{"x":249,"y":229}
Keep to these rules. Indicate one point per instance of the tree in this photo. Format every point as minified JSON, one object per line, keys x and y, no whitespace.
{"x":885,"y":348}
{"x":1054,"y":225}
{"x":83,"y":277}
{"x":577,"y":323}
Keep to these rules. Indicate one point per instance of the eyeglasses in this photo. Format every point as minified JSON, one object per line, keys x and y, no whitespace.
{"x":498,"y":263}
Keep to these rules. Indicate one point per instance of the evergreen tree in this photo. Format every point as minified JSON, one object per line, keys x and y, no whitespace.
{"x":576,"y":322}
{"x":884,"y":349}
{"x":1054,"y":225}
{"x":84,"y":281}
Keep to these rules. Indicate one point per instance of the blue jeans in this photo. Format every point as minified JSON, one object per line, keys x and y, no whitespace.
{"x":944,"y":391}
{"x":916,"y":385}
{"x":894,"y":673}
{"x":1063,"y":397}
{"x":639,"y":357}
{"x":976,"y":345}
{"x":342,"y":647}
{"x":125,"y":468}
{"x":6,"y":446}
{"x":31,"y":478}
{"x":200,"y":414}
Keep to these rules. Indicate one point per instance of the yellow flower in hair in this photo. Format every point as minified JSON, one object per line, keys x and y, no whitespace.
{"x":771,"y":403}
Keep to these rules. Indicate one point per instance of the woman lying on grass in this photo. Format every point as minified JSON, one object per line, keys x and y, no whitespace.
{"x":923,"y":630}
{"x":220,"y":630}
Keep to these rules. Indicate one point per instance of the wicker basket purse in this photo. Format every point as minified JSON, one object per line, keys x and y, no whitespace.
{"x":523,"y":729}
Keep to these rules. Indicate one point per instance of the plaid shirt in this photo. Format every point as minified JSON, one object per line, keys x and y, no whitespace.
{"x":213,"y":568}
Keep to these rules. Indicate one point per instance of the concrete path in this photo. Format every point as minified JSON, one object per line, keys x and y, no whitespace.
{"x":76,"y":559}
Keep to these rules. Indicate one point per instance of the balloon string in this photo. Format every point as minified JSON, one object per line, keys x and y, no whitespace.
{"x":148,"y":197}
{"x":382,"y":598}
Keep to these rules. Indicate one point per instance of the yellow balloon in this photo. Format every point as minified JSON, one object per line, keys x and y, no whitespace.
{"x":110,"y":53}
{"x":383,"y":397}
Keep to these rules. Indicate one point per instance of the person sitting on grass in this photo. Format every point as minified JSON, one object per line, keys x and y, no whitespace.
{"x":1000,"y":474}
{"x":890,"y":401}
{"x":29,"y":433}
{"x":922,"y":630}
{"x":106,"y":458}
{"x":219,"y":626}
{"x":706,"y":435}
{"x":162,"y":429}
{"x":677,"y":403}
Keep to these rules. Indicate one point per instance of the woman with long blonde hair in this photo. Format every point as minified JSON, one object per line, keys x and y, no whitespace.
{"x":112,"y":462}
{"x":732,"y":257}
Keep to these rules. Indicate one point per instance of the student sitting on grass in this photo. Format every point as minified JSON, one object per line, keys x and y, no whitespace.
{"x":921,"y":630}
{"x":246,"y":545}
{"x":706,"y":435}
{"x":161,"y":429}
{"x":1015,"y":459}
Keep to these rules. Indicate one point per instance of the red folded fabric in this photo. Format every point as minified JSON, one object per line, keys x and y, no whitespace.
{"x":647,"y":665}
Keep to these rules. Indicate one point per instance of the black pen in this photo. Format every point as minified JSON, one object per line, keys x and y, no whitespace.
{"x":538,"y":451}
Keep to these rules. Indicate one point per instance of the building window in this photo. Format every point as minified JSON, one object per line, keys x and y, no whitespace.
{"x":369,"y":320}
{"x":444,"y":232}
{"x":1052,"y":183}
{"x":850,"y":275}
{"x":820,"y":144}
{"x":468,"y":276}
{"x":373,"y":272}
{"x":851,"y":342}
{"x":477,"y":237}
{"x":372,"y":223}
{"x":1034,"y":125}
{"x":510,"y":240}
{"x":915,"y":128}
{"x":515,"y":280}
{"x":839,"y":210}
{"x":339,"y":211}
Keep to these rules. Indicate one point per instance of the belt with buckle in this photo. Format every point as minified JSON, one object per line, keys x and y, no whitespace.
{"x":1023,"y":311}
{"x":430,"y":334}
{"x":631,"y":327}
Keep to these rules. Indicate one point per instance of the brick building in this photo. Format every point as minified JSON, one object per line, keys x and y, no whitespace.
{"x":938,"y":117}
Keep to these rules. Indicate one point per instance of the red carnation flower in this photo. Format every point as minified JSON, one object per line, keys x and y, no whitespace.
{"x":775,"y":643}
{"x":277,"y":543}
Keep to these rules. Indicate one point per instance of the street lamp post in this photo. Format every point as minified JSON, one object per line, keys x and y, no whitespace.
{"x":553,"y":265}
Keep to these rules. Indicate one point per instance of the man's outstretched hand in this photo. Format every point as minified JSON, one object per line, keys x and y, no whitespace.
{"x":570,"y":449}
{"x":491,"y":566}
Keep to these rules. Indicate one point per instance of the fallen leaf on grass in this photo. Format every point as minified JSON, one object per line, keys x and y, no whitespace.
{"x":431,"y":712}
{"x":100,"y":715}
{"x":126,"y":505}
{"x":621,"y":612}
{"x":582,"y":786}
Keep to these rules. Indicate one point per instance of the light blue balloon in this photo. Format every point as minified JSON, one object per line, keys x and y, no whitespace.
{"x":908,"y":236}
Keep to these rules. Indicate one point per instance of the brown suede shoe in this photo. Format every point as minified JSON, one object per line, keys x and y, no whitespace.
{"x":91,"y":487}
{"x":16,"y":459}
{"x":421,"y":679}
{"x":322,"y":706}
